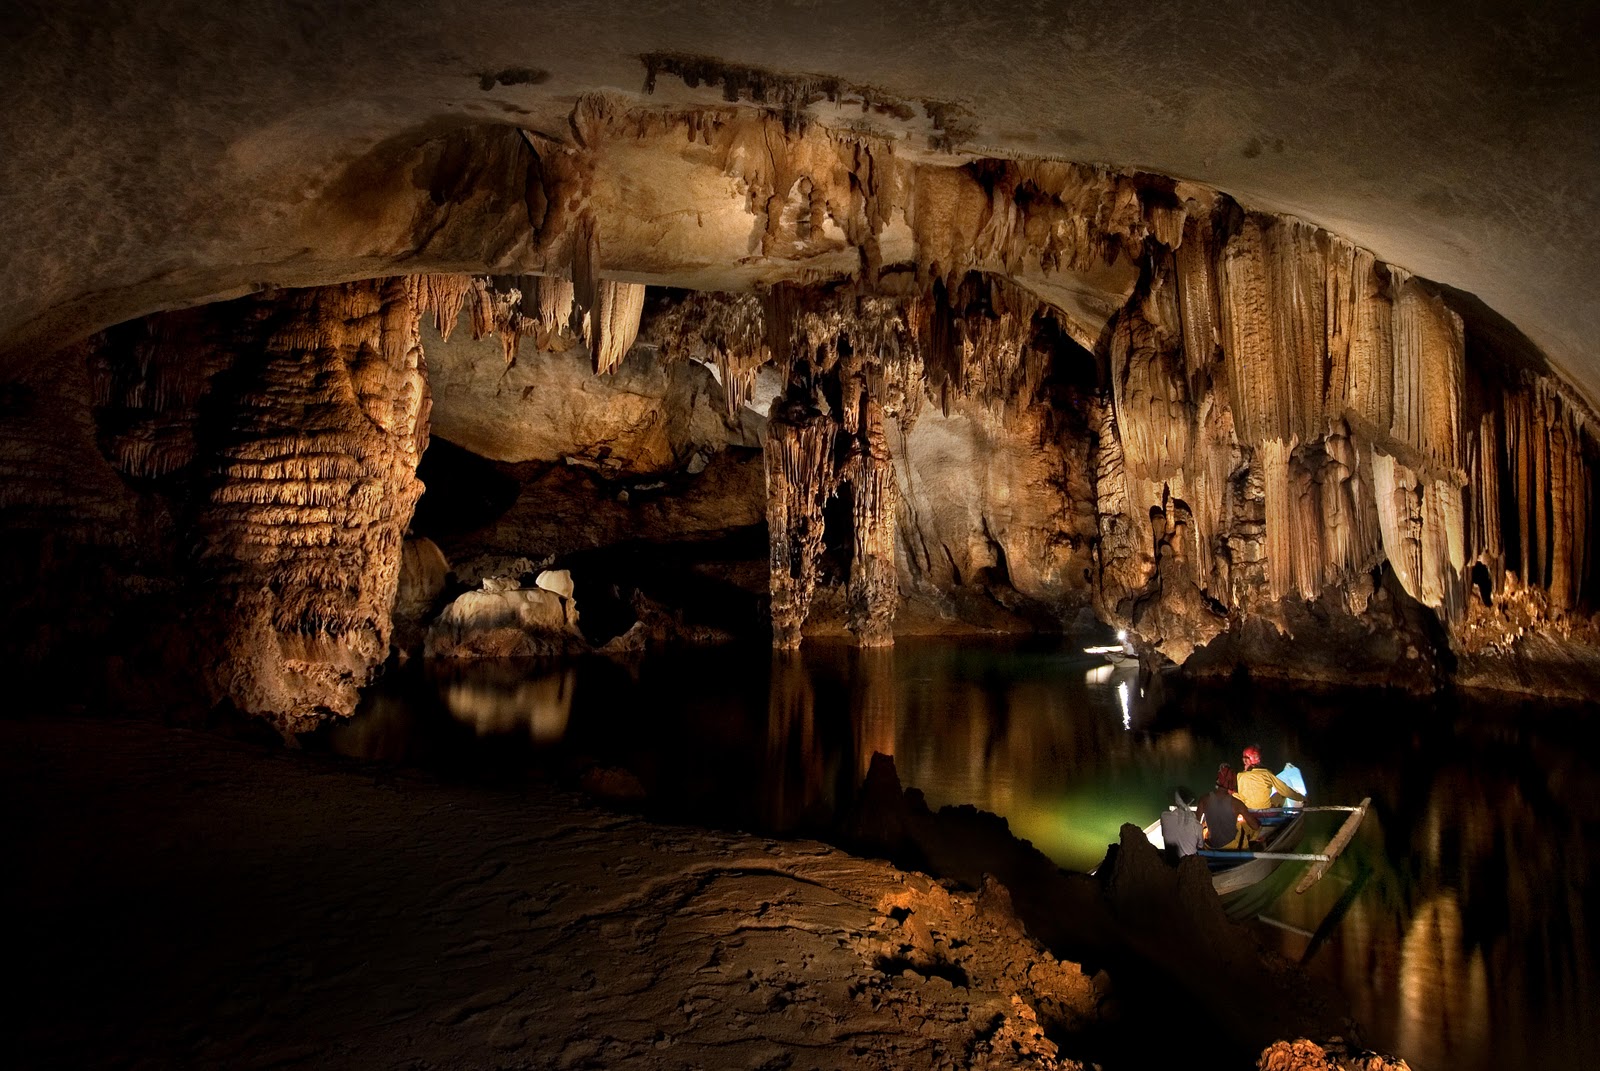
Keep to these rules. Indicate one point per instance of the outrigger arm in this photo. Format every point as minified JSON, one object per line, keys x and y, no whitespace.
{"x":1323,"y":859}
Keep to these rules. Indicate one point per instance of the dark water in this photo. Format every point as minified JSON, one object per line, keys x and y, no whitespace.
{"x":1462,"y":924}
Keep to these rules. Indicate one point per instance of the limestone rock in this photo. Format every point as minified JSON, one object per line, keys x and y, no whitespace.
{"x":556,"y":580}
{"x":505,"y":623}
{"x":424,"y":575}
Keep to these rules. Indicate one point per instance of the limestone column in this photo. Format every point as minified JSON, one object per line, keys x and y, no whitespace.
{"x":311,"y":458}
{"x":800,"y":479}
{"x":874,"y":591}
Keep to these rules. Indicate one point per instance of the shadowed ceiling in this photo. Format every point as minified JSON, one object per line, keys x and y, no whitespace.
{"x":162,"y":153}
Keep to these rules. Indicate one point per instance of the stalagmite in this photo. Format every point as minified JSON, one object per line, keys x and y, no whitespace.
{"x":800,"y":480}
{"x":874,"y":592}
{"x":304,"y":482}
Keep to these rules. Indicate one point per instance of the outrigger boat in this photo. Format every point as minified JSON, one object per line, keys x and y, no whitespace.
{"x":1240,"y":877}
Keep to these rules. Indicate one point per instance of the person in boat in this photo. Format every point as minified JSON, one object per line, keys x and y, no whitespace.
{"x":1259,"y":787}
{"x":1291,"y":776}
{"x":1228,"y":822}
{"x":1180,"y":827}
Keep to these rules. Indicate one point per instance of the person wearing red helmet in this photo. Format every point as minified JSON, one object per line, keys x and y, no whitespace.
{"x":1258,"y":785}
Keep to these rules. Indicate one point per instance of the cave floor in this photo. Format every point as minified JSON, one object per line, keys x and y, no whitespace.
{"x":185,"y":900}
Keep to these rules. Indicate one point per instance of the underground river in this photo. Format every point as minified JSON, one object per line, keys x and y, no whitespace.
{"x":1459,"y":925}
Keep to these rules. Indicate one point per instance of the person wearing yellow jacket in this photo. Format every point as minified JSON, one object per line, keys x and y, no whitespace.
{"x":1258,"y":785}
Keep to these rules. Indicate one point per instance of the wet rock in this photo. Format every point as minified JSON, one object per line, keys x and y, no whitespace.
{"x":500,"y":621}
{"x":1304,"y":1054}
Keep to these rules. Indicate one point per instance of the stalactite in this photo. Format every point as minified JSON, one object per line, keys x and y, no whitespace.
{"x":780,"y":306}
{"x":1308,"y":529}
{"x":1213,"y":457}
{"x":1297,"y":274}
{"x":975,"y":340}
{"x":1249,"y":342}
{"x":1428,"y":374}
{"x":1017,"y":216}
{"x":612,"y":324}
{"x":1399,"y":519}
{"x":552,"y":300}
{"x":491,"y":310}
{"x":1149,"y":388}
{"x":606,"y":311}
{"x":1120,"y":570}
{"x":1444,"y":558}
{"x":1349,"y":479}
{"x":1546,"y":467}
{"x":1368,"y":386}
{"x":728,"y":330}
{"x":442,"y":295}
{"x":1273,"y":457}
{"x":1197,"y":299}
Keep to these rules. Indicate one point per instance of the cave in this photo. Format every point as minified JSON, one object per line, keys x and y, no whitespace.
{"x":561,"y":537}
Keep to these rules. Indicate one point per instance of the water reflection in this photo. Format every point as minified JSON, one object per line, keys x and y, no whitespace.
{"x":1464,"y":937}
{"x":501,"y":699}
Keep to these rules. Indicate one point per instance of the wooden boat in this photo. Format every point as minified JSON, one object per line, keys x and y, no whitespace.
{"x":1241,"y":878}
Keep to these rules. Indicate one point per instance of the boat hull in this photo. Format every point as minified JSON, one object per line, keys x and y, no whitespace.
{"x":1247,"y":885}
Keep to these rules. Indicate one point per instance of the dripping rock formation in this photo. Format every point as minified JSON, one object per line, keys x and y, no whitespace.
{"x":756,"y":350}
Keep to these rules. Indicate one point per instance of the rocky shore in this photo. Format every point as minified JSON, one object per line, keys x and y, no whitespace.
{"x":188,"y":900}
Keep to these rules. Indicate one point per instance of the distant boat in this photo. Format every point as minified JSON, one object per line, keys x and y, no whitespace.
{"x":1119,"y":654}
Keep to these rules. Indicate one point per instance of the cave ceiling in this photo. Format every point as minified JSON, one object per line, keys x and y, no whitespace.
{"x":163,"y":154}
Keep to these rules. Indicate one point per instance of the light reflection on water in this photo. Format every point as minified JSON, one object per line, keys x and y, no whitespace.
{"x":1465,"y":945}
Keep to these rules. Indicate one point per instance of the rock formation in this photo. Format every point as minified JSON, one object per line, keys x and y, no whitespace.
{"x":503,"y":620}
{"x":998,"y":392}
{"x":282,"y":433}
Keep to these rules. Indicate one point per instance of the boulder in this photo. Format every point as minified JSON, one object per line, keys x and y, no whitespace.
{"x":494,"y":622}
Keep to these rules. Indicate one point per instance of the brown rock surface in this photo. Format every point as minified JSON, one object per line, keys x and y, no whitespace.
{"x":375,"y":923}
{"x":499,"y":622}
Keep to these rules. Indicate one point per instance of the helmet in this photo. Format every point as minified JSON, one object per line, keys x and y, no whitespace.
{"x":1252,"y":757}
